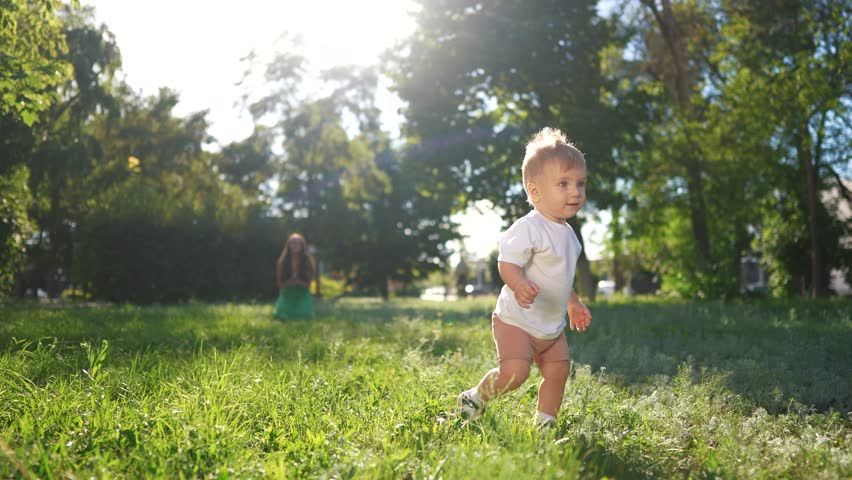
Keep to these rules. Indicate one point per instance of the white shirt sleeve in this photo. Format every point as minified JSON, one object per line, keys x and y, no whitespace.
{"x":517,"y":244}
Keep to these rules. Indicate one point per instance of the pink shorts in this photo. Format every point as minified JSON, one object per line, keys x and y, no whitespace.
{"x":513,"y":343}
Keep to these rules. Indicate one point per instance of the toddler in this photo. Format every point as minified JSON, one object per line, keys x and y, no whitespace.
{"x":537,"y":259}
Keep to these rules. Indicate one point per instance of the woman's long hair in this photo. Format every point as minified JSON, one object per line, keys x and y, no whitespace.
{"x":283,"y":268}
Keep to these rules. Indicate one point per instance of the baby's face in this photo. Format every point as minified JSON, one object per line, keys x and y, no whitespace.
{"x":559,"y":192}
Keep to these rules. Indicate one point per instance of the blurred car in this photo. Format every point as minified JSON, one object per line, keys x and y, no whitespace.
{"x":606,"y":288}
{"x":438,"y":294}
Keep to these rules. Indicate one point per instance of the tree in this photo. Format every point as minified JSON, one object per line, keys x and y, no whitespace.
{"x":462,"y":276}
{"x":248,"y":164}
{"x":479,"y":78}
{"x":796,"y":72}
{"x":67,"y":151}
{"x":740,"y":93}
{"x":15,"y":225}
{"x":674,"y":162}
{"x":31,"y":67}
{"x":163,"y":225}
{"x":400,"y":232}
{"x":358,"y":201}
{"x":683,"y":156}
{"x":674,"y":68}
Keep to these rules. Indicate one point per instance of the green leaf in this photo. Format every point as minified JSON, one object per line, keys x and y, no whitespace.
{"x":29,"y":117}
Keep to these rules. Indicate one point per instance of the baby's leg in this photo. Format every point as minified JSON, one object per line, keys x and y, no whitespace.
{"x":510,"y":375}
{"x":551,"y":390}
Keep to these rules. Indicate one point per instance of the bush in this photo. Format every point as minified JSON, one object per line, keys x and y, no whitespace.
{"x":136,"y":248}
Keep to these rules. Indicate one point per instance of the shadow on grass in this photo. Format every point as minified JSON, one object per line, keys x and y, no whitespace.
{"x":606,"y":463}
{"x":579,"y":455}
{"x":181,"y":331}
{"x":780,"y":356}
{"x":777,"y":354}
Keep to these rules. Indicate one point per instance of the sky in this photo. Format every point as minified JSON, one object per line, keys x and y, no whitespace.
{"x":196,"y":48}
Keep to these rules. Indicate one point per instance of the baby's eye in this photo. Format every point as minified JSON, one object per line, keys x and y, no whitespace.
{"x":581,"y":184}
{"x":563,"y":184}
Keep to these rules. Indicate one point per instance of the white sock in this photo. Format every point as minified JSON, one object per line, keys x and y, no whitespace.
{"x":541,"y":418}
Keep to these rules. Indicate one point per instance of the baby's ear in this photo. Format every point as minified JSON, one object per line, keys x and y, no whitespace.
{"x":532,"y":190}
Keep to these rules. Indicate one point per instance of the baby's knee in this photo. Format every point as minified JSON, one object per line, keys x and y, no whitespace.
{"x":515,"y":372}
{"x":556,"y":371}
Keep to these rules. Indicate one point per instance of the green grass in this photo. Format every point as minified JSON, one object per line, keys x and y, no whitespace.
{"x":659,"y":389}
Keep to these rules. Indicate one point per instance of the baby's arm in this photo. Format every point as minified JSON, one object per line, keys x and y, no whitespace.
{"x":513,"y":276}
{"x":579,"y":316}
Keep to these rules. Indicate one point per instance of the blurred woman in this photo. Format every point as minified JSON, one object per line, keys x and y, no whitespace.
{"x":294,"y":272}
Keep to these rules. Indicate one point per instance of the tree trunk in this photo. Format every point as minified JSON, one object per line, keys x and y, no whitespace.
{"x":803,"y":147}
{"x":584,"y":270}
{"x":310,"y":231}
{"x":384,"y":290}
{"x":698,"y":213}
{"x":802,"y":138}
{"x":587,"y":280}
{"x":741,"y":246}
{"x":617,"y":245}
{"x":617,"y":276}
{"x":673,"y":36}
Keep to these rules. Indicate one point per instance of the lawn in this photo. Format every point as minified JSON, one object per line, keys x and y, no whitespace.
{"x":367,"y":390}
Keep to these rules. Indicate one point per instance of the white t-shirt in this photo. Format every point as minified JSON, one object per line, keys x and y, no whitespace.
{"x":547,"y":252}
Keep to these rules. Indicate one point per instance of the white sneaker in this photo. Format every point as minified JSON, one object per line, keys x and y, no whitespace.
{"x":546,"y":425}
{"x":544,"y":421}
{"x":468,"y":408}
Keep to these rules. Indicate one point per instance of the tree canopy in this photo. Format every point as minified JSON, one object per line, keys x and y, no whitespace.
{"x":716,"y":133}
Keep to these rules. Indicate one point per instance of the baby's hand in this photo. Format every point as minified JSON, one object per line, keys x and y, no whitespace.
{"x":525,"y":293}
{"x":579,"y":316}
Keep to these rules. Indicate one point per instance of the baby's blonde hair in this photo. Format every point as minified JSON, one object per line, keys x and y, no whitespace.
{"x":546,"y":145}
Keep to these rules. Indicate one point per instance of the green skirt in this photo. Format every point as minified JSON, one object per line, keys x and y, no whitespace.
{"x":293,"y":303}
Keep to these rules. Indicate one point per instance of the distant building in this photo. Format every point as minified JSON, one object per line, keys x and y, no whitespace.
{"x":753,"y":276}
